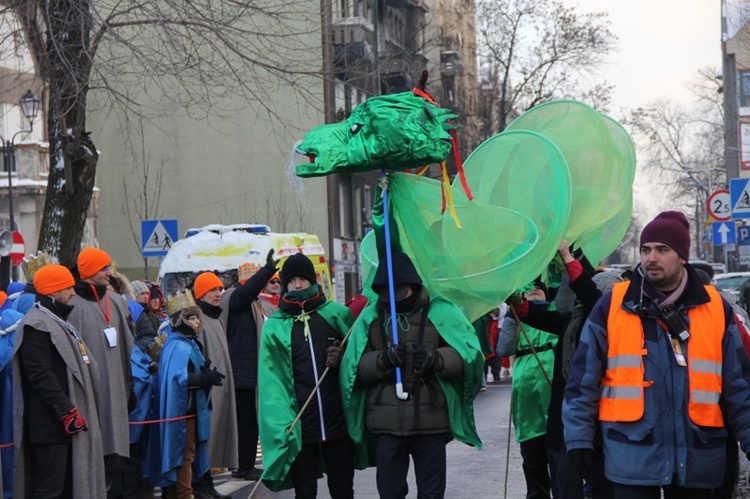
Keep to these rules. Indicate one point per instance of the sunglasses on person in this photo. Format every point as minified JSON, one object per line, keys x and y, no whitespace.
{"x":274,"y":281}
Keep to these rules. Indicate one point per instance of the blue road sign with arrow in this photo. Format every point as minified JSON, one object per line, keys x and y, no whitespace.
{"x":723,"y":233}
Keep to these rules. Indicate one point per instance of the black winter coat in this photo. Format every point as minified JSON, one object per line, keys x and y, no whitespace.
{"x":242,"y":331}
{"x":552,"y":321}
{"x":305,"y":352}
{"x":45,"y":382}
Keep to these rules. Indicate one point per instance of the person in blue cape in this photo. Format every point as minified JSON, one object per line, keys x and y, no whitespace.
{"x":14,"y":290}
{"x":184,"y":381}
{"x":144,"y":362}
{"x":25,"y":300}
{"x":8,"y":323}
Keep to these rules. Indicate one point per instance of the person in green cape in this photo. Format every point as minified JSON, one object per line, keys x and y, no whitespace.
{"x":532,"y":390}
{"x":441,"y":362}
{"x":298,"y":343}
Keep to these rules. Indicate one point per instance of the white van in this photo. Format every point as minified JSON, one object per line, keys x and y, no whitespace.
{"x":222,"y":249}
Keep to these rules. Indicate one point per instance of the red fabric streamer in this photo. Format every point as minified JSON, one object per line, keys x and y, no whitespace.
{"x":460,"y":165}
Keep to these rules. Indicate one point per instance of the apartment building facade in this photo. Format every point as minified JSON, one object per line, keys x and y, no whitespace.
{"x":378,"y":47}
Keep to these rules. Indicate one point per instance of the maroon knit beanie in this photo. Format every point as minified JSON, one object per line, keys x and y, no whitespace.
{"x":670,"y":228}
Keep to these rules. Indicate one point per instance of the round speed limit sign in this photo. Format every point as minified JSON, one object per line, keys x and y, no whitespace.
{"x":720,"y":205}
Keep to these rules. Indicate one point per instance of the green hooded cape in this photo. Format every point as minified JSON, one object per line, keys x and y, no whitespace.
{"x":278,"y":405}
{"x":456,"y":330}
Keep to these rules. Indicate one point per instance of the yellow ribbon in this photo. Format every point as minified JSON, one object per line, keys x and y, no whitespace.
{"x":304,"y":317}
{"x":449,"y":195}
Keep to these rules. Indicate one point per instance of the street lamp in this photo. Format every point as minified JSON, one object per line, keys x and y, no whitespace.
{"x":30,"y":108}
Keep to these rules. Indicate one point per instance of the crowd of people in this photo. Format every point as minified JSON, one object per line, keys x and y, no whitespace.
{"x":622,"y":386}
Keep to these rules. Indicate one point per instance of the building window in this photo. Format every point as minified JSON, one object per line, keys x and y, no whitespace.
{"x":744,"y":91}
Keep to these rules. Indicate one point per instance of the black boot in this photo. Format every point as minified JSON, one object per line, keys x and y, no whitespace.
{"x":204,"y":488}
{"x":252,"y":474}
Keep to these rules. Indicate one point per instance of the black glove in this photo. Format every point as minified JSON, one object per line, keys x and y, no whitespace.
{"x":583,"y":462}
{"x":211,"y":378}
{"x":271,"y":265}
{"x":334,"y":354}
{"x":393,"y":356}
{"x":73,"y":422}
{"x":425,"y":359}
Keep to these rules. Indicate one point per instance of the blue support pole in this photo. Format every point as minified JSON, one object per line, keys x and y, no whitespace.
{"x":400,"y":393}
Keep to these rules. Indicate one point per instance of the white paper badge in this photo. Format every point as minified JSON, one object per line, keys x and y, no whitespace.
{"x":111,"y":334}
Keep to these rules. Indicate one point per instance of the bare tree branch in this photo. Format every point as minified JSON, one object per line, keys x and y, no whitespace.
{"x":136,"y":58}
{"x":683,"y":147}
{"x":532,"y":51}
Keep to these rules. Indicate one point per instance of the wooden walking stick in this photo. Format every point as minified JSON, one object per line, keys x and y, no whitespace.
{"x":307,"y":402}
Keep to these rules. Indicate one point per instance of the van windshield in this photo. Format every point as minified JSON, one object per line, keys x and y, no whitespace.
{"x":181,"y":281}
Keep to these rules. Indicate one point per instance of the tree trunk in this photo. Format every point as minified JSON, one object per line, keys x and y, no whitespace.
{"x":67,"y":201}
{"x":73,"y":157}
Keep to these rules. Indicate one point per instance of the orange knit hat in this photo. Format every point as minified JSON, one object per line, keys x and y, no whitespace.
{"x":205,"y":283}
{"x":91,"y":261}
{"x":52,"y":278}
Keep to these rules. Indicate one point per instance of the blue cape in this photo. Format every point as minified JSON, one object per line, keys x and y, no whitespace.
{"x":172,"y":382}
{"x":23,"y":303}
{"x":144,"y":386}
{"x":136,"y":309}
{"x":9,"y":318}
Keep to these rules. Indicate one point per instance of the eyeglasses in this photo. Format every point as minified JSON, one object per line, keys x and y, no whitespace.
{"x":274,"y":281}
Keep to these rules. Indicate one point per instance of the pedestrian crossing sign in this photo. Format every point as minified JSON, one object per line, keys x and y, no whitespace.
{"x":157,"y":236}
{"x":739,"y":196}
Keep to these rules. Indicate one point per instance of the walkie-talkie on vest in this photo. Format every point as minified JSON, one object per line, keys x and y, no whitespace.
{"x":674,"y":322}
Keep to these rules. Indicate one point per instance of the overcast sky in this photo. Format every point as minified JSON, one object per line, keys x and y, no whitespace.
{"x":662,"y":43}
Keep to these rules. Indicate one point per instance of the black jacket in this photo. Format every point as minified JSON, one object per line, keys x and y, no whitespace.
{"x":322,"y":335}
{"x":144,"y":323}
{"x":242,"y":331}
{"x":45,"y":382}
{"x":557,"y":323}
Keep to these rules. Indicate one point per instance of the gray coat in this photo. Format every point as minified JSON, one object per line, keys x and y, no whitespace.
{"x":112,"y":365}
{"x":222,"y":446}
{"x":385,"y":412}
{"x":87,"y":455}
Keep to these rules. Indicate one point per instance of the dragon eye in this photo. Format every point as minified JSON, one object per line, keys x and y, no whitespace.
{"x":356,"y":128}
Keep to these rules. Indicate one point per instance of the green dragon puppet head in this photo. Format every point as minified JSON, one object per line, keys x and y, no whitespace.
{"x":393,"y":132}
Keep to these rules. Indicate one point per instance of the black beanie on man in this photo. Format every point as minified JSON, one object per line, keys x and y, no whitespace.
{"x":297,"y":265}
{"x":671,"y":228}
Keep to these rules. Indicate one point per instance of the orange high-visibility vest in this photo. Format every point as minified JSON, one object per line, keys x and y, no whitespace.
{"x":622,"y":386}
